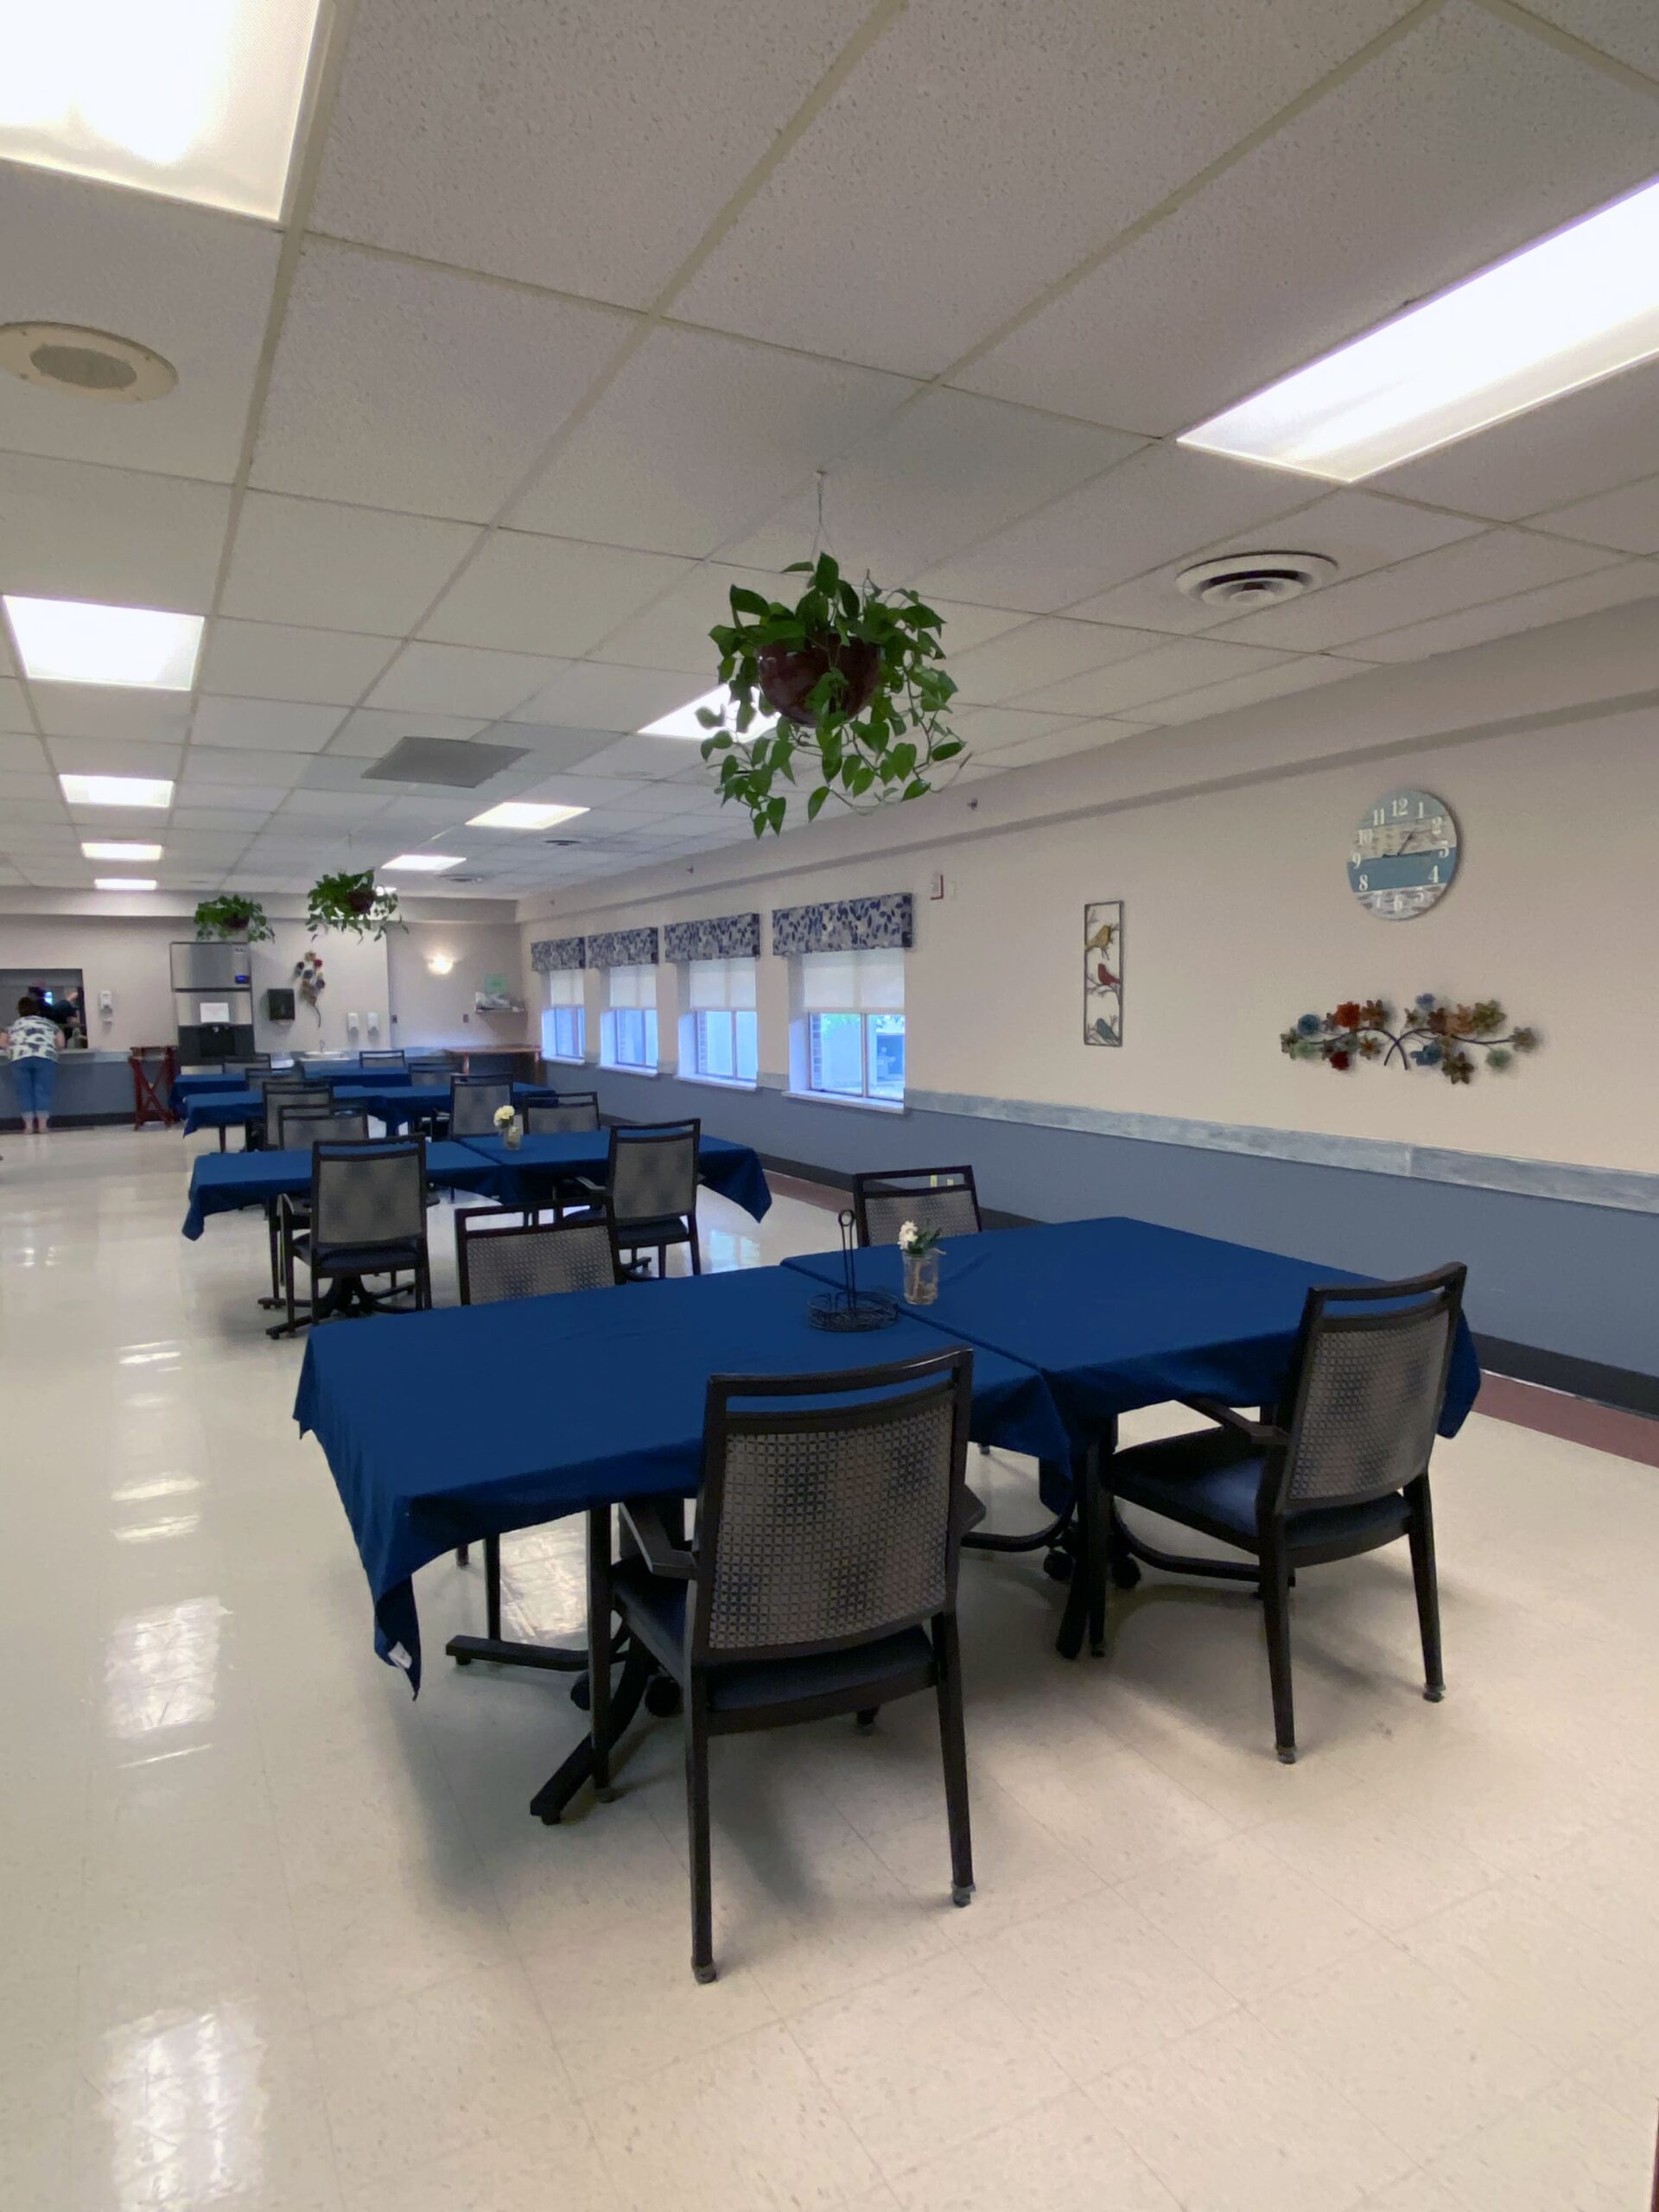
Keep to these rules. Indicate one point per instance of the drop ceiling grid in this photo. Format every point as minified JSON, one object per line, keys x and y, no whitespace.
{"x":1365,"y":31}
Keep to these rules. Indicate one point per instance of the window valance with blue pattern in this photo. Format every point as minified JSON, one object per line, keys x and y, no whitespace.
{"x":846,"y":925}
{"x":556,"y":952}
{"x":726,"y":937}
{"x":623,"y":949}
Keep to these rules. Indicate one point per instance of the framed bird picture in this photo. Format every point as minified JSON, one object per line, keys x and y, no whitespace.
{"x":1102,"y":972}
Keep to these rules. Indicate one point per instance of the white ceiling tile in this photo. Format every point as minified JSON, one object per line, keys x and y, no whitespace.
{"x":993,"y":731}
{"x":947,"y":472}
{"x":1419,"y":169}
{"x":369,"y":732}
{"x":965,"y":627}
{"x":263,"y":725}
{"x":593,"y":695}
{"x":69,"y":531}
{"x":23,"y":755}
{"x":1627,"y":520}
{"x":14,"y":714}
{"x":463,"y":680}
{"x":275,"y":660}
{"x":649,"y":758}
{"x":33,"y":822}
{"x":1589,"y":442}
{"x":1179,"y":664}
{"x":1042,"y":653}
{"x":338,"y":567}
{"x":110,"y":710}
{"x":673,"y":633}
{"x":584,"y":148}
{"x":698,"y":437}
{"x":549,"y":747}
{"x":345,"y":807}
{"x":98,"y":756}
{"x":548,"y":595}
{"x":204,"y":764}
{"x":27,"y":783}
{"x":1060,"y":744}
{"x":419,"y":389}
{"x":193,"y":283}
{"x":631,"y":794}
{"x":258,"y":799}
{"x":1303,"y":673}
{"x":1159,"y":503}
{"x":978,"y":151}
{"x":1468,"y":574}
{"x":1529,"y":610}
{"x":1356,"y":530}
{"x":1627,"y":29}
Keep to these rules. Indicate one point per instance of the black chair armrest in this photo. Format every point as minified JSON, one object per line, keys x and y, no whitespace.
{"x":291,"y":1209}
{"x":970,"y":1511}
{"x":1262,"y":1433}
{"x":657,"y":1548}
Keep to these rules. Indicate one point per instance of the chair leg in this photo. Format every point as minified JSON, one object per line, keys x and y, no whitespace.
{"x":1276,"y":1611}
{"x":1428,"y":1589}
{"x":492,"y":1588}
{"x":697,"y":1807}
{"x":696,"y":1248}
{"x":599,"y":1648}
{"x":953,"y":1743}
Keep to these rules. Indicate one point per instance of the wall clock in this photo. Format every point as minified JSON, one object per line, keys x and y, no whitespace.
{"x":1404,"y":855}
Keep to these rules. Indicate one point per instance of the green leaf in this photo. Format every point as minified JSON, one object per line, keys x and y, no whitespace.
{"x":745,"y":601}
{"x":826,"y":577}
{"x":918,"y":789}
{"x":815,"y":804}
{"x":948,"y":749}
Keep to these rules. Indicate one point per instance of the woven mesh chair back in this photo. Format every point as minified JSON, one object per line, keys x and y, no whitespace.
{"x":371,"y":1194}
{"x":503,"y":1257}
{"x":282,"y":1098}
{"x":473,"y":1107}
{"x":1369,"y":1392}
{"x":941,"y":1198}
{"x":653,"y":1172}
{"x":571,"y":1116}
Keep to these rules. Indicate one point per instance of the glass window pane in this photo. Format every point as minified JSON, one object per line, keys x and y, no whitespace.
{"x":748,"y":1046}
{"x":887,"y":1055}
{"x":838,"y":1043}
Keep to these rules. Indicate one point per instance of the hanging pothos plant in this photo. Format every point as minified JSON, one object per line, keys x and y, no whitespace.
{"x":346,"y":901}
{"x":231,"y":915}
{"x":857,"y":678}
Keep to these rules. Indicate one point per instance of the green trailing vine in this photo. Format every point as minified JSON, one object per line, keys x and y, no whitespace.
{"x":231,"y":915}
{"x":352,"y":903}
{"x":857,"y":678}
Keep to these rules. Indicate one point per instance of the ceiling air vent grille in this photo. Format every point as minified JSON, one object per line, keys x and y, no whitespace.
{"x":1243,"y":582}
{"x":458,"y":764}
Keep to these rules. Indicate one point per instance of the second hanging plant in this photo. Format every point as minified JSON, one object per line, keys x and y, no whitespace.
{"x":855,"y":679}
{"x":351,"y":902}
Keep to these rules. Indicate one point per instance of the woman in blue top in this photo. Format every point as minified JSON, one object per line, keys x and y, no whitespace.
{"x":33,"y":1040}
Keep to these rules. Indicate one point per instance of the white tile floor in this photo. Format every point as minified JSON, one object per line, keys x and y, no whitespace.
{"x":276,"y":1939}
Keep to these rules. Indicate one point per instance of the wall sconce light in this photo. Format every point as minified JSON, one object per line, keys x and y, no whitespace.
{"x":439,"y":963}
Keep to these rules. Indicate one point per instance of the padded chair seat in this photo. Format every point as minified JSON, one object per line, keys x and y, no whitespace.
{"x":655,"y":1605}
{"x":1208,"y":1479}
{"x":356,"y":1259}
{"x":671,"y":1227}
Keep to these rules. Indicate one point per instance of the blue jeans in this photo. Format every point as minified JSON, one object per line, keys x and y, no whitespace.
{"x":35,"y":1079}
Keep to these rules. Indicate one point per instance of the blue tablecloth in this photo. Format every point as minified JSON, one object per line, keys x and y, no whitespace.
{"x":222,"y":1181}
{"x":187,"y":1088}
{"x":1118,"y":1313}
{"x":529,"y":1176}
{"x":442,"y":1428}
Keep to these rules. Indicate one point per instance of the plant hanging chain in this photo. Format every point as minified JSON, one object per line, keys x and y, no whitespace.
{"x":857,"y":678}
{"x":1435,"y":1036}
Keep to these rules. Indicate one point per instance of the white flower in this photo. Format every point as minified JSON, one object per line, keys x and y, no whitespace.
{"x":907,"y":1235}
{"x":505,"y":1116}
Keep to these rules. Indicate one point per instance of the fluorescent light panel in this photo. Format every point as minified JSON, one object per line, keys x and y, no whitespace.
{"x":422,"y":863}
{"x":523,"y":814}
{"x":116,"y":790}
{"x":1574,"y":308}
{"x":683,"y":722}
{"x":196,"y":99}
{"x":124,"y":883}
{"x":79,"y":641}
{"x":117,"y":849}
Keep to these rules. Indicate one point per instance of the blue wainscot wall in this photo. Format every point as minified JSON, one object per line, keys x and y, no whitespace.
{"x":1563,"y":1260}
{"x":92,"y":1087}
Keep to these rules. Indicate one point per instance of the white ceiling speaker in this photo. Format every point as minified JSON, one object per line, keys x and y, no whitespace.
{"x":1243,"y":582}
{"x":88,"y":364}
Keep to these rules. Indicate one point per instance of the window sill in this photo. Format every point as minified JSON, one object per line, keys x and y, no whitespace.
{"x":859,"y":1105}
{"x":625,"y":1067}
{"x":721,"y":1082}
{"x":566,"y":1060}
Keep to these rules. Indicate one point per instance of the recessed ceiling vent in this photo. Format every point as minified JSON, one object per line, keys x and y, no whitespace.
{"x":455,"y":763}
{"x":1243,"y":582}
{"x":88,"y":363}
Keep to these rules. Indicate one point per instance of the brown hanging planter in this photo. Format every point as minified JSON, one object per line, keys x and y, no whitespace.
{"x":788,"y":675}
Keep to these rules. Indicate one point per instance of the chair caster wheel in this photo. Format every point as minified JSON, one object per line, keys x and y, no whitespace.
{"x":963,"y":1893}
{"x":581,"y":1695}
{"x":1057,"y":1566}
{"x":865,"y":1723}
{"x":1286,"y":1754}
{"x":605,"y":1797}
{"x":463,"y":1658}
{"x":1125,"y":1573}
{"x":663,"y":1697}
{"x":704,"y":1973}
{"x":548,"y":1820}
{"x":1435,"y":1692}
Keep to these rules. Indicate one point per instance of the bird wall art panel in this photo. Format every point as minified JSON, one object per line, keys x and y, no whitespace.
{"x":1102,"y":972}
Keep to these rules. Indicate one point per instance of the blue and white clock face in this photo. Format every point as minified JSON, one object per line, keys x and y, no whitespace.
{"x":1404,"y":855}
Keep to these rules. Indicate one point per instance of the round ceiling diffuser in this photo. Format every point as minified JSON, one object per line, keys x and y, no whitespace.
{"x":1243,"y":582}
{"x":90,"y":364}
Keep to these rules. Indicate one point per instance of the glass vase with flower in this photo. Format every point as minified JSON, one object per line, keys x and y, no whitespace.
{"x":920,"y":1251}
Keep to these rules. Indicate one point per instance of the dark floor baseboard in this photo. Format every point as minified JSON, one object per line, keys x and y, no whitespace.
{"x":12,"y":1124}
{"x":1623,"y":1386}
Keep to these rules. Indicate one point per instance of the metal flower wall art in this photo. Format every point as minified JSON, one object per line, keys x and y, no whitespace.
{"x":1432,"y":1035}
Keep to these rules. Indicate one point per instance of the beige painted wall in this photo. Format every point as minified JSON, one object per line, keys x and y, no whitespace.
{"x":432,"y":1009}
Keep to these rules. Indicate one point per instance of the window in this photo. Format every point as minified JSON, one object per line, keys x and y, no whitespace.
{"x":724,"y":1036}
{"x":853,"y":1009}
{"x":628,"y":1026}
{"x":564,"y":1025}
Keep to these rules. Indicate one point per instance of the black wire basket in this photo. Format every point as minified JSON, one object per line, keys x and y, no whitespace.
{"x":849,"y":1310}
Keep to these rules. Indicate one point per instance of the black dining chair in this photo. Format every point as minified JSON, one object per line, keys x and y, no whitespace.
{"x":389,"y":1059}
{"x":303,"y":1126}
{"x":472,"y":1106}
{"x":822,"y":1579}
{"x":575,"y":1112}
{"x":933,"y":1198}
{"x":280,"y":1098}
{"x":365,"y":1215}
{"x":650,"y":1190}
{"x":1342,"y":1468}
